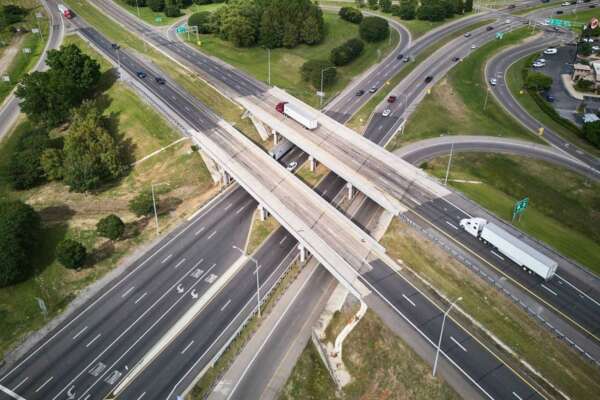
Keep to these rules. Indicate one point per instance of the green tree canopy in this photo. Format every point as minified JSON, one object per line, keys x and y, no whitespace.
{"x":24,"y":168}
{"x":374,"y":29}
{"x":351,"y":14}
{"x":204,"y":20}
{"x":385,"y":5}
{"x":591,"y":131}
{"x":538,"y":81}
{"x":111,"y":227}
{"x":347,"y":52}
{"x":71,"y":253}
{"x":311,"y":72}
{"x":142,"y":204}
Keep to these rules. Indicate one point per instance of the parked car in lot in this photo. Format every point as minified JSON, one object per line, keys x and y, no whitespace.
{"x":428,"y":79}
{"x":493,"y":81}
{"x":360,"y":92}
{"x":373,"y":89}
{"x":291,"y":166}
{"x":391,"y":99}
{"x":588,"y":40}
{"x":566,"y":3}
{"x":596,"y":48}
{"x":386,"y":112}
{"x":141,"y":74}
{"x":550,"y":51}
{"x":559,"y":12}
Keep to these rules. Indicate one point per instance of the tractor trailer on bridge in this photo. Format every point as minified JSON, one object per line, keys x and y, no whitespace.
{"x":65,"y":11}
{"x":307,"y":120}
{"x":510,"y":246}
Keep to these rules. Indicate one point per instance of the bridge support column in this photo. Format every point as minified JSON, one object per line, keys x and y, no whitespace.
{"x":225,"y":177}
{"x":275,"y":137}
{"x":260,"y":127}
{"x":302,"y":250}
{"x":350,"y":190}
{"x":262,"y":212}
{"x":312,"y":162}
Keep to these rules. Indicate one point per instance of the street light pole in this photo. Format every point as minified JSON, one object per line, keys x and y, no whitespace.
{"x":138,"y":7}
{"x":449,"y":162}
{"x":437,"y":353}
{"x":154,"y":205}
{"x":256,"y":273}
{"x":321,"y":96}
{"x":269,"y":57}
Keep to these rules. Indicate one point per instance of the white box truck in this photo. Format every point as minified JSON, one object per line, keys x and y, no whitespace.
{"x":307,"y":120}
{"x":510,"y":246}
{"x":281,"y":149}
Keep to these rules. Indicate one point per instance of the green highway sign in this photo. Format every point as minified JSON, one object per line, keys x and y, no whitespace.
{"x":520,"y":207}
{"x":158,"y":19}
{"x":499,"y":35}
{"x":181,"y":29}
{"x":559,"y":22}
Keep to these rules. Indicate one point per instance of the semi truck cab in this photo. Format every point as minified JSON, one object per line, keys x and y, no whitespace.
{"x":473,"y":226}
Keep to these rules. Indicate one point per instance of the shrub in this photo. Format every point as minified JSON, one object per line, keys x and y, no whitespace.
{"x":591,"y":131}
{"x":311,"y":72}
{"x":203,"y":20}
{"x":142,"y":204}
{"x":24,"y":168}
{"x":111,"y":227}
{"x":351,"y":14}
{"x":538,"y":81}
{"x":71,"y":253}
{"x":385,"y":5}
{"x":374,"y":29}
{"x":156,"y":5}
{"x":347,"y":52}
{"x":584,"y":85}
{"x":172,"y":11}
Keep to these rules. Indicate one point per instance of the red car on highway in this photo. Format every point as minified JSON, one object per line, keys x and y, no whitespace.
{"x":391,"y":99}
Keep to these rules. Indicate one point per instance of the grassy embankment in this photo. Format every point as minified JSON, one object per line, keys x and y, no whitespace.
{"x":187,"y":80}
{"x":23,"y":62}
{"x":455,"y":105}
{"x":564,"y":208}
{"x":558,"y":362}
{"x":286,"y":63}
{"x":68,"y":214}
{"x":159,"y":18}
{"x":359,"y":119}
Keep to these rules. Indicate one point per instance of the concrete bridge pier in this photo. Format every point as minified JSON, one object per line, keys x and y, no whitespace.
{"x":312,"y":162}
{"x":275,"y":137}
{"x":262,"y":212}
{"x":303,"y":252}
{"x":350,"y":190}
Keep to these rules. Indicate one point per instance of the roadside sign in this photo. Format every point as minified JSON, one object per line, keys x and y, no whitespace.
{"x":559,"y":22}
{"x":181,"y":29}
{"x":158,"y":19}
{"x":320,"y":94}
{"x":42,"y":306}
{"x":499,"y":35}
{"x":6,"y":78}
{"x":35,"y":30}
{"x":199,"y":42}
{"x":541,"y":131}
{"x":26,"y":50}
{"x":520,"y":207}
{"x":594,"y":23}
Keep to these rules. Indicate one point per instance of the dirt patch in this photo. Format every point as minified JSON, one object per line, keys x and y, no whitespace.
{"x":9,"y":53}
{"x":451,"y":102}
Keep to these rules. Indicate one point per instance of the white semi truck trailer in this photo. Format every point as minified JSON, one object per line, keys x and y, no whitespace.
{"x":510,"y":246}
{"x":306,"y":119}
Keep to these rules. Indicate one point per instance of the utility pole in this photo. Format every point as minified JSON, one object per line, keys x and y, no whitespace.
{"x":269,"y":64}
{"x":449,"y":162}
{"x":154,"y":205}
{"x":37,"y":19}
{"x":322,"y":94}
{"x":138,"y":7}
{"x":256,"y":273}
{"x":437,"y":353}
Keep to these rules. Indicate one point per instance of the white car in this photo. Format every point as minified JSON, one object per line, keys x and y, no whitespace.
{"x":566,"y":3}
{"x":538,"y":65}
{"x":596,"y":48}
{"x":550,"y":51}
{"x":507,"y":21}
{"x":291,"y":166}
{"x":473,"y":46}
{"x":493,"y":81}
{"x":541,"y":60}
{"x":588,"y":40}
{"x":386,"y":112}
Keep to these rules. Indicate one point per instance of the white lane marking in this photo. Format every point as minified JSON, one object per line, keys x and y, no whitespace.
{"x":80,"y":332}
{"x":93,"y":340}
{"x":127,"y":291}
{"x":20,"y":383}
{"x":87,"y":397}
{"x":44,"y":384}
{"x":497,"y":255}
{"x":458,"y":344}
{"x":452,"y":225}
{"x":166,"y":258}
{"x":548,"y":289}
{"x":198,"y":263}
{"x":10,"y":393}
{"x":240,"y":210}
{"x":409,"y":300}
{"x":578,"y":290}
{"x":141,"y":396}
{"x":187,"y":347}
{"x":140,"y":298}
{"x":517,"y":396}
{"x":226,"y":304}
{"x":228,"y":206}
{"x":283,"y":240}
{"x":199,"y":231}
{"x":180,"y":262}
{"x":211,"y":235}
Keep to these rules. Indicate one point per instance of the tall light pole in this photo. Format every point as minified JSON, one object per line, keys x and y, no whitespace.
{"x":322,"y":94}
{"x":138,"y":7}
{"x":269,"y":64}
{"x":449,"y":162}
{"x":256,"y":273}
{"x":437,"y":353}
{"x":154,"y":204}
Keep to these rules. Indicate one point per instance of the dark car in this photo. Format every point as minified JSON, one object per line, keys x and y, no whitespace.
{"x":391,"y":99}
{"x":510,"y":7}
{"x":550,"y":98}
{"x":489,"y":28}
{"x":399,"y":57}
{"x":141,"y":74}
{"x":455,"y":59}
{"x":159,"y":80}
{"x":559,"y":12}
{"x":428,"y":79}
{"x":592,"y":6}
{"x":114,"y":46}
{"x":360,"y":92}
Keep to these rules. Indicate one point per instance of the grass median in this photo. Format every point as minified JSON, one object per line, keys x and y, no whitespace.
{"x":564,"y":207}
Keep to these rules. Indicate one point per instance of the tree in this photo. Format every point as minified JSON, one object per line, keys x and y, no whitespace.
{"x":311,"y":72}
{"x":347,"y":52}
{"x":584,"y":48}
{"x":584,"y":85}
{"x":203,"y":20}
{"x":359,"y":3}
{"x":459,"y":6}
{"x":372,"y":4}
{"x":468,"y":5}
{"x":385,"y":5}
{"x":351,"y":14}
{"x":172,"y":8}
{"x":71,"y":253}
{"x":111,"y":227}
{"x":408,"y":9}
{"x":11,"y":14}
{"x":92,"y":154}
{"x":240,"y":22}
{"x":313,"y":27}
{"x":591,"y":131}
{"x":24,"y":168}
{"x":19,"y":230}
{"x":52,"y":164}
{"x":142,"y":204}
{"x":538,"y":81}
{"x":156,"y":5}
{"x":374,"y":29}
{"x":434,"y":10}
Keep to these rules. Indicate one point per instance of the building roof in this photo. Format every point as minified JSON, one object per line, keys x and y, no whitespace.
{"x":582,"y":67}
{"x":596,"y":66}
{"x":588,"y":118}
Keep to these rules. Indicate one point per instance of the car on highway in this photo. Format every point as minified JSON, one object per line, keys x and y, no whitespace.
{"x":592,"y":6}
{"x":360,"y":92}
{"x":507,"y":21}
{"x":538,"y":65}
{"x":468,"y":34}
{"x":473,"y":46}
{"x":373,"y":89}
{"x":455,"y":59}
{"x":559,"y":12}
{"x":406,"y":59}
{"x":399,"y":56}
{"x":596,"y":48}
{"x":541,"y":60}
{"x":510,"y":7}
{"x":141,"y":74}
{"x":115,"y":46}
{"x":566,"y":3}
{"x":550,"y":98}
{"x":160,"y":80}
{"x":550,"y":51}
{"x":386,"y":112}
{"x":493,"y":81}
{"x":291,"y":166}
{"x":391,"y":99}
{"x":489,"y":28}
{"x":428,"y":79}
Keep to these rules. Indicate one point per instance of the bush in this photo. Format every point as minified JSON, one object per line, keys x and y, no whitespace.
{"x":374,"y":29}
{"x":311,"y":72}
{"x":584,"y":85}
{"x":351,"y":14}
{"x":19,"y":231}
{"x":156,"y":5}
{"x":24,"y":168}
{"x":142,"y":204}
{"x":385,"y":5}
{"x":347,"y":52}
{"x":111,"y":227}
{"x":538,"y":81}
{"x":407,"y":9}
{"x":591,"y":131}
{"x":71,"y":253}
{"x":203,"y":20}
{"x":172,"y":11}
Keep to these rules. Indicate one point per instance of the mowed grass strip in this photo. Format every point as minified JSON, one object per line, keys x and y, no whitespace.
{"x":564,"y":207}
{"x":67,"y":214}
{"x":531,"y":342}
{"x":456,"y":103}
{"x":286,"y":63}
